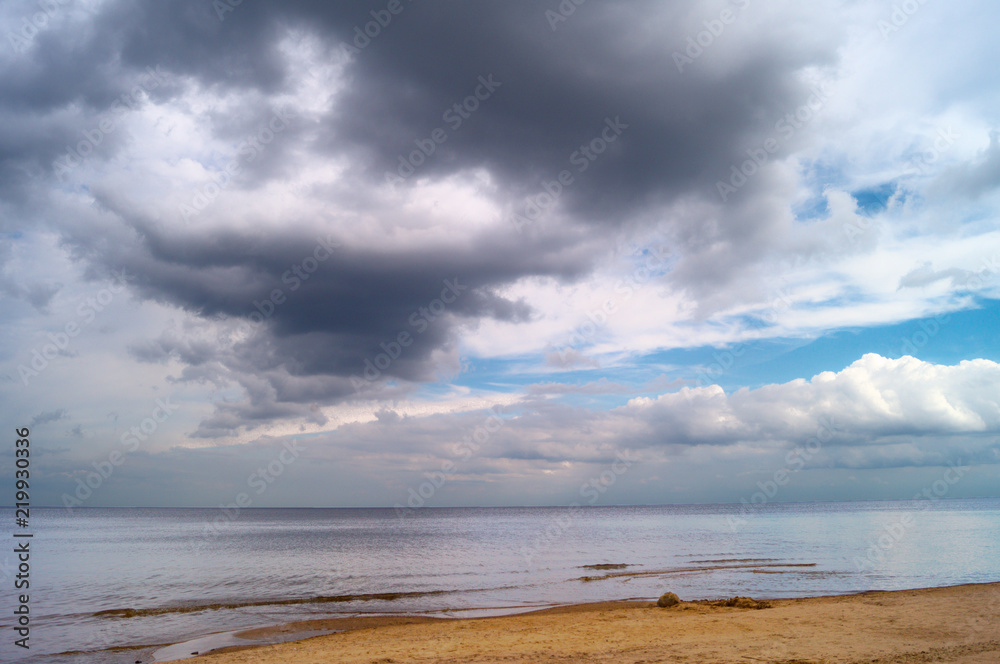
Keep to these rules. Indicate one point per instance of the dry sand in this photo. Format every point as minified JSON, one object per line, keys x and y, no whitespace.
{"x":959,"y":625}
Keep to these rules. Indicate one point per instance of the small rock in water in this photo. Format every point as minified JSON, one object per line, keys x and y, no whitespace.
{"x":668,"y":599}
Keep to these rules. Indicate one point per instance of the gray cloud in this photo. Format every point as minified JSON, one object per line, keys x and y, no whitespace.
{"x":556,"y":92}
{"x":975,"y":178}
{"x":876,"y":414}
{"x":48,"y":416}
{"x":38,"y":295}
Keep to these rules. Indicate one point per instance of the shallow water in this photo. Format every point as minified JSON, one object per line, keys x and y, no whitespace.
{"x":114,"y":577}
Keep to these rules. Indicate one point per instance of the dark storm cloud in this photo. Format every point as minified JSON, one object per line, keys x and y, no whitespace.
{"x":351,"y":301}
{"x":58,"y":86}
{"x":557,"y":87}
{"x":557,"y":91}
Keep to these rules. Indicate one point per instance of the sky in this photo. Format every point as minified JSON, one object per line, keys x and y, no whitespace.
{"x":407,"y":254}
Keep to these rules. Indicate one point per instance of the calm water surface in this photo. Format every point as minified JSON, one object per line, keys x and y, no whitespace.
{"x":140,"y":577}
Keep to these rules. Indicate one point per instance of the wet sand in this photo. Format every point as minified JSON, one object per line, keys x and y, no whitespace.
{"x":959,"y":625}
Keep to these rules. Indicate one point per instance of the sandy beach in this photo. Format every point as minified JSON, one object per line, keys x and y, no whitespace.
{"x":959,"y":624}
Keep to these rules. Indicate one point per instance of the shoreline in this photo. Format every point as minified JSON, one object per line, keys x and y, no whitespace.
{"x":958,"y":624}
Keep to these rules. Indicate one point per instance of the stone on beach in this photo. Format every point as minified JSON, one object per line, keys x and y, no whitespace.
{"x":668,"y":599}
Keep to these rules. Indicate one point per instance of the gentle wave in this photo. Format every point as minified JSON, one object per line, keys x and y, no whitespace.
{"x":681,"y":570}
{"x":738,"y":560}
{"x":322,"y":599}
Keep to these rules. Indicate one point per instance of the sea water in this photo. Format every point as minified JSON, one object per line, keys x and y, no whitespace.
{"x":106,"y":577}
